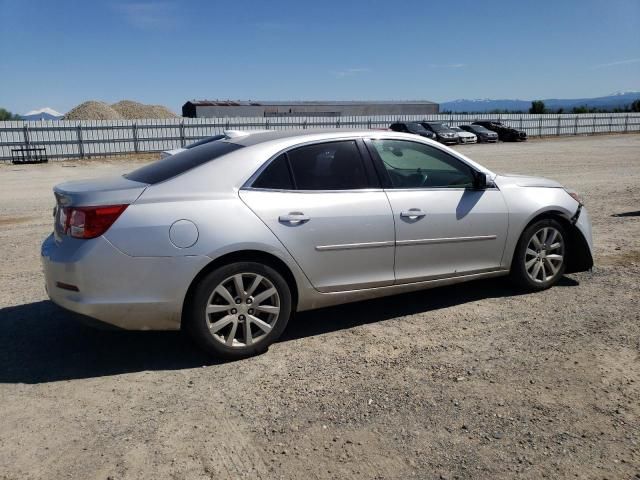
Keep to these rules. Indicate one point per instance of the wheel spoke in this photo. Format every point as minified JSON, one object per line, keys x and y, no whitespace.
{"x":554,"y":246}
{"x":552,"y":236}
{"x":223,"y":322}
{"x":268,"y":308}
{"x":536,"y":241}
{"x":551,"y":266}
{"x":555,"y":257}
{"x":232,"y":334}
{"x":258,"y":299}
{"x":536,"y":269}
{"x":531,"y":252}
{"x":218,"y":308}
{"x":545,"y":234}
{"x":248,"y":337}
{"x":226,"y":294}
{"x":530,"y":263}
{"x":544,"y":271}
{"x":239,"y":284}
{"x":262,"y":325}
{"x":254,"y":285}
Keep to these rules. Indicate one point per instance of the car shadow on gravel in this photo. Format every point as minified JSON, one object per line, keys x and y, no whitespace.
{"x":40,"y":342}
{"x":318,"y":322}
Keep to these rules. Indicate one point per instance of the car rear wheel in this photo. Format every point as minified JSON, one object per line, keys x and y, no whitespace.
{"x":238,"y":310}
{"x":539,"y":259}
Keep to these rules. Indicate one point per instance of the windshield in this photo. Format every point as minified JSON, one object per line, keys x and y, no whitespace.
{"x":456,"y":129}
{"x":417,"y":128}
{"x":438,"y":127}
{"x":173,"y":166}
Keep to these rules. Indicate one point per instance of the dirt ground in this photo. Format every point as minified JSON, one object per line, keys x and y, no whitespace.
{"x":470,"y":381}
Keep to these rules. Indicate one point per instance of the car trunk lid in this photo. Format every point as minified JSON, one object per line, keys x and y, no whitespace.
{"x":100,"y":191}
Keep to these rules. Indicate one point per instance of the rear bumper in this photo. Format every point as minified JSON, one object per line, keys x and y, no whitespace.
{"x":133,"y":293}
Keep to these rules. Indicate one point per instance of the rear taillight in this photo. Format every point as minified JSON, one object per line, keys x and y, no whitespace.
{"x":90,"y":222}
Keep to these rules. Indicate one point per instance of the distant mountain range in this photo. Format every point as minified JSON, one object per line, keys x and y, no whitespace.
{"x":615,"y":100}
{"x":45,"y":113}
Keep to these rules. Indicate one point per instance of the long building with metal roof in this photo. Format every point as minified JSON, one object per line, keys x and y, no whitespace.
{"x":250,"y":108}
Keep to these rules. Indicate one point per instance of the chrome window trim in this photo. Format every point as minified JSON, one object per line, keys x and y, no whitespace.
{"x":280,"y":190}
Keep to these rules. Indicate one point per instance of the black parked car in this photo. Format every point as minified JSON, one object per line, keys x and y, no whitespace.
{"x":412,"y":127}
{"x":505,"y":132}
{"x":484,"y":135}
{"x":443,"y":133}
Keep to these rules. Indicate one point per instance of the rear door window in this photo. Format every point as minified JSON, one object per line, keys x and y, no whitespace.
{"x":276,"y":176}
{"x":328,"y":166}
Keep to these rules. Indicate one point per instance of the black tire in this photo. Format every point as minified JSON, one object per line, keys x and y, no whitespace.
{"x":196,"y":321}
{"x":519,"y":273}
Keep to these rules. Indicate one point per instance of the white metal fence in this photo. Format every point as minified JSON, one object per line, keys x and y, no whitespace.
{"x":82,"y":139}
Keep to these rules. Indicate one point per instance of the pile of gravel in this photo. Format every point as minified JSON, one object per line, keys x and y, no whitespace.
{"x":132,"y":110}
{"x":123,"y":110}
{"x":92,"y":110}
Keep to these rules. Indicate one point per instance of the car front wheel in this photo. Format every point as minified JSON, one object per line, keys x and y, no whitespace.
{"x":238,"y":310}
{"x":539,"y":259}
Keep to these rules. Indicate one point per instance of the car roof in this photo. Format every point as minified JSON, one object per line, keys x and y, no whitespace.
{"x":299,"y":134}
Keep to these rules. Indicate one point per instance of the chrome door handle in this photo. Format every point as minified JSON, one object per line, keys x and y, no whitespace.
{"x":412,"y":213}
{"x":294,"y":218}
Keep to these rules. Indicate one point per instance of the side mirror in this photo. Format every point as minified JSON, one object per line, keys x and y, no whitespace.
{"x":481,"y":181}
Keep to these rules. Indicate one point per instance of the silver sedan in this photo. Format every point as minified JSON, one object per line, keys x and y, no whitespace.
{"x":227,"y":239}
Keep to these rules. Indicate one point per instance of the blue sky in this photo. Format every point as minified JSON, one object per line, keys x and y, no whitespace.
{"x":58,"y":53}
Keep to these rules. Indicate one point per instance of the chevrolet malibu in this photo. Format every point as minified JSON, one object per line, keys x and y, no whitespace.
{"x":228,"y":239}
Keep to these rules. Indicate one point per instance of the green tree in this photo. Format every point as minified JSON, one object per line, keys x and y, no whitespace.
{"x":7,"y":115}
{"x":537,"y":106}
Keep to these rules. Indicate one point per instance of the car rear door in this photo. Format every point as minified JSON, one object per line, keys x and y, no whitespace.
{"x":324,"y":203}
{"x":444,"y":226}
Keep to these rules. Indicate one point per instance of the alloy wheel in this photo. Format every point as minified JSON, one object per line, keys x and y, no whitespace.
{"x":544,"y":254}
{"x":242,"y":310}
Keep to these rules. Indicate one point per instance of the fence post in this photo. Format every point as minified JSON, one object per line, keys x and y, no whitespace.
{"x":80,"y":144}
{"x":558,"y":127}
{"x":540,"y":126}
{"x":338,"y":123}
{"x":266,"y":124}
{"x":575,"y":127}
{"x":369,"y":124}
{"x":626,"y":123}
{"x":25,"y":133}
{"x":610,"y":123}
{"x":182,"y":139}
{"x":593,"y":125}
{"x":134,"y":131}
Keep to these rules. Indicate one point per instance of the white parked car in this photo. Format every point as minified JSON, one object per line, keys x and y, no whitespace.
{"x":464,"y":137}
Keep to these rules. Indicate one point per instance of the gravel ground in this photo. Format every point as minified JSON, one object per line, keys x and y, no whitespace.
{"x":470,"y":381}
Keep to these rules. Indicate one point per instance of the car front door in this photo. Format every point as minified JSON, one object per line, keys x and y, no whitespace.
{"x":444,"y":226}
{"x":324,"y":203}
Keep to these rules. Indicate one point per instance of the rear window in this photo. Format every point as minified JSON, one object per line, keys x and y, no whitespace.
{"x":175,"y":165}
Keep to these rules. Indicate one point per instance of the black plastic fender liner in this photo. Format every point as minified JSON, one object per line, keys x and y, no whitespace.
{"x":579,"y":258}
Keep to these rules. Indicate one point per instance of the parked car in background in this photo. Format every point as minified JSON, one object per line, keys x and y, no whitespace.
{"x":464,"y":136}
{"x":484,"y":135}
{"x":444,"y":134}
{"x":228,"y":239}
{"x":412,"y":127}
{"x":505,"y":132}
